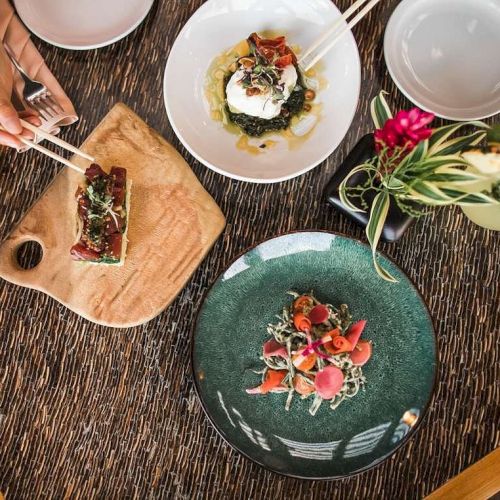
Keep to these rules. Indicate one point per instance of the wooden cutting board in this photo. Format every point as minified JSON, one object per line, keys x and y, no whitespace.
{"x":173,"y":224}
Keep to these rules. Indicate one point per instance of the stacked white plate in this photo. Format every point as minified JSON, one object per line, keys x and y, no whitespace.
{"x":82,"y":24}
{"x":444,"y":56}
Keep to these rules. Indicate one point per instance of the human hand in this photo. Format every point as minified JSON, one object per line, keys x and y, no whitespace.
{"x":10,"y":121}
{"x":9,"y":117}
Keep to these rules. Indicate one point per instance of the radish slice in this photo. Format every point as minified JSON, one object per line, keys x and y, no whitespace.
{"x":256,"y":390}
{"x":355,"y":332}
{"x":273,"y":379}
{"x":329,"y":382}
{"x":274,"y":348}
{"x":362,"y":353}
{"x":319,"y":314}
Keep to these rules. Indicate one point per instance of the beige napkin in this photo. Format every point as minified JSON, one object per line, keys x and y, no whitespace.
{"x":16,"y":37}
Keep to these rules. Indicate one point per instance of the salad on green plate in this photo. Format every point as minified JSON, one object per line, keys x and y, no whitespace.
{"x":315,"y":351}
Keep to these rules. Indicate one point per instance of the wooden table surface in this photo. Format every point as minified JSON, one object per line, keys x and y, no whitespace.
{"x":87,"y":411}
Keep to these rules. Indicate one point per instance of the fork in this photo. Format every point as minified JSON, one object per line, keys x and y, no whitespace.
{"x":36,"y":94}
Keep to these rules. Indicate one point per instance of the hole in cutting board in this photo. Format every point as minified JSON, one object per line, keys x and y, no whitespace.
{"x":29,"y":254}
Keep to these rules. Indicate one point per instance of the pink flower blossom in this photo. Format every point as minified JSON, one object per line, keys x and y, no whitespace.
{"x":404,"y":132}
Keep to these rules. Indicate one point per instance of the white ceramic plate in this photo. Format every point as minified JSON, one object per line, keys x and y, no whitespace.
{"x":82,"y":24}
{"x":443,"y":55}
{"x":221,"y":24}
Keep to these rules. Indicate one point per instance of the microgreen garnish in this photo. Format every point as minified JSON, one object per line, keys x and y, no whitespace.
{"x":262,"y":74}
{"x":101,"y":200}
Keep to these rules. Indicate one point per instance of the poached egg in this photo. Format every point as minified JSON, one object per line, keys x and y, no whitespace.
{"x":261,"y":105}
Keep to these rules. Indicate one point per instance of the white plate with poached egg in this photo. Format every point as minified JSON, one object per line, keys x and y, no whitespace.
{"x":219,"y":25}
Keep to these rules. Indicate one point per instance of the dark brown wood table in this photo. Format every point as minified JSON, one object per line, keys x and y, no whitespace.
{"x":87,"y":411}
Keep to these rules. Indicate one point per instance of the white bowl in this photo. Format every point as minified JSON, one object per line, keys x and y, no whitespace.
{"x":219,"y":25}
{"x":82,"y":24}
{"x":443,"y":55}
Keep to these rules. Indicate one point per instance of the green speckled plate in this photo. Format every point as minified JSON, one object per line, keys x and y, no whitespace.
{"x":231,"y":329}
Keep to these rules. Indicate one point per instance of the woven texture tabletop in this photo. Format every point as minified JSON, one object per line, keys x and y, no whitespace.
{"x":93,"y":412}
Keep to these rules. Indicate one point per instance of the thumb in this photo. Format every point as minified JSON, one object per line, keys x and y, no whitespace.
{"x":8,"y":116}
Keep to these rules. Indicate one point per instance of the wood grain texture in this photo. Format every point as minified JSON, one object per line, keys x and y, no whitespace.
{"x":480,"y":481}
{"x":173,"y":223}
{"x":87,"y":411}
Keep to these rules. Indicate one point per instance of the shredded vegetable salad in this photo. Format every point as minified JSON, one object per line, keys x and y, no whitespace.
{"x":315,"y":351}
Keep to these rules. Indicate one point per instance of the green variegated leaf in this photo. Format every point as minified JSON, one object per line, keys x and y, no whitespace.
{"x":393,"y":183}
{"x":415,"y":197}
{"x":444,"y":161}
{"x":442,"y":134}
{"x":441,"y":179}
{"x":429,"y":165}
{"x":459,"y":144}
{"x":380,"y":110}
{"x":428,"y":193}
{"x":415,"y":157}
{"x":454,"y":175}
{"x":378,"y":215}
{"x":463,"y":198}
{"x":419,"y":153}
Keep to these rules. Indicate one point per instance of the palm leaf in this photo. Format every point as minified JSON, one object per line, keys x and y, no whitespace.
{"x":380,"y":110}
{"x":378,"y":215}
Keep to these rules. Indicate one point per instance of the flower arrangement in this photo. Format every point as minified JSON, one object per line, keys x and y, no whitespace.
{"x":416,"y":166}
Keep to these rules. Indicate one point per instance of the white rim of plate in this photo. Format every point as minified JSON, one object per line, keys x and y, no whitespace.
{"x":243,"y":178}
{"x":407,"y":94}
{"x":87,"y":47}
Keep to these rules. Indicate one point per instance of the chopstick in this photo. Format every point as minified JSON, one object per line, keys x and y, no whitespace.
{"x":50,"y":154}
{"x":324,"y":37}
{"x":319,"y":45}
{"x":55,"y":140}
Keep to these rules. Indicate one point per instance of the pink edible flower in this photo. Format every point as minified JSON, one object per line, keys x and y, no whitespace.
{"x":405,"y":131}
